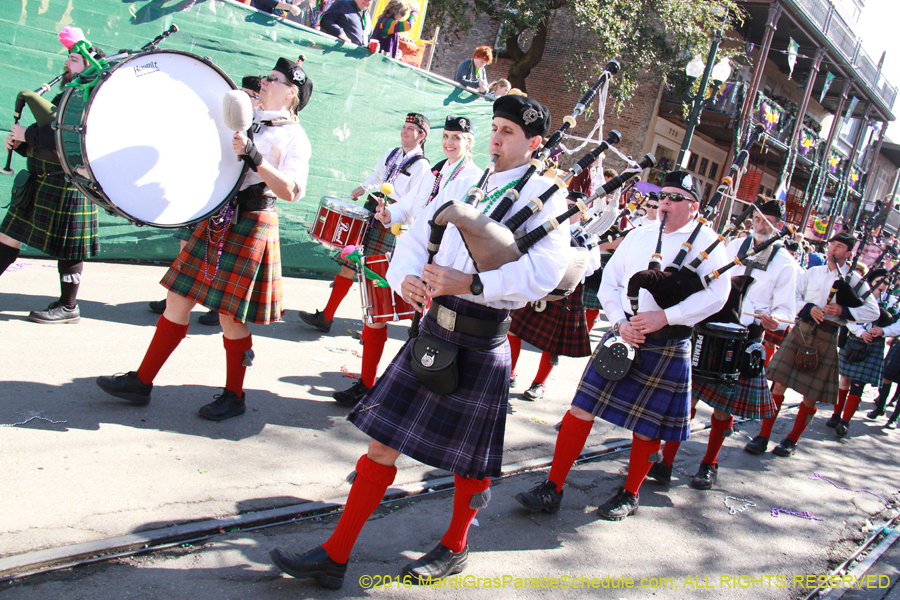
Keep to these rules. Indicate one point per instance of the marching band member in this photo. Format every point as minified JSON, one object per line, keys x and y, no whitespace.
{"x":403,"y":167}
{"x":234,"y":265}
{"x":461,"y":432}
{"x":653,"y":399}
{"x":58,"y":220}
{"x":773,"y":273}
{"x":457,"y":143}
{"x":817,"y":327}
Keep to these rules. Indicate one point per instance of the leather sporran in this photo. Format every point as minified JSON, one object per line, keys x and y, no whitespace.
{"x":433,"y":362}
{"x":614,"y":358}
{"x":855,"y":349}
{"x":23,"y":190}
{"x":807,"y":357}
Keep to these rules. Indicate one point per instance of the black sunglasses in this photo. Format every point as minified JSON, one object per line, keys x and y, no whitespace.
{"x":675,"y":197}
{"x":653,"y":206}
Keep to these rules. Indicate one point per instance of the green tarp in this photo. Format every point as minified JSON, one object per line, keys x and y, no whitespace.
{"x":354,"y":116}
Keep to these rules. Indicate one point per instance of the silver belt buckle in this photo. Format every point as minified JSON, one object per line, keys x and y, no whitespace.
{"x":446,"y":318}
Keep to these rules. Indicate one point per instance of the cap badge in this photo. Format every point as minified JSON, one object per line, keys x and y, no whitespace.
{"x":530,"y":116}
{"x":688,"y":182}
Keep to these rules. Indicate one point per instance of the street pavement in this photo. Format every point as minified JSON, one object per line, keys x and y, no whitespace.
{"x":112,"y":469}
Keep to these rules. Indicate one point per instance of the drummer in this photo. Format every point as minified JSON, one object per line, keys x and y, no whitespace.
{"x":232,"y":262}
{"x":457,"y":143}
{"x":57,"y":220}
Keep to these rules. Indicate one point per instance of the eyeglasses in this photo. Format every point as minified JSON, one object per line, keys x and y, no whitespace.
{"x":653,"y":206}
{"x":675,"y":197}
{"x":274,"y":79}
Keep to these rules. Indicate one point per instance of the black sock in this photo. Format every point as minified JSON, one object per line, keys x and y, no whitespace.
{"x":883,"y":392}
{"x":8,"y":256}
{"x":69,"y":280}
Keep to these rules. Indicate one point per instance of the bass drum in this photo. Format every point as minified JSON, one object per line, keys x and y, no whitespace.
{"x":150,"y":143}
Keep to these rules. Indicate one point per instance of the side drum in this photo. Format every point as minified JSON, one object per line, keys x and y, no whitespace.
{"x":381,"y":304}
{"x":150,"y":144}
{"x":717,"y":352}
{"x":339,"y":223}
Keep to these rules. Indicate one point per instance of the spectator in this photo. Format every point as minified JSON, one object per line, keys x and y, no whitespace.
{"x":498,"y":89}
{"x":347,"y":20}
{"x":270,"y":6}
{"x":397,"y":17}
{"x":471,"y":72}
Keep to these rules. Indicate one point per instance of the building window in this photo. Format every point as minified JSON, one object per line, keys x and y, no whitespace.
{"x":703,"y":164}
{"x":713,"y":168}
{"x":692,"y":163}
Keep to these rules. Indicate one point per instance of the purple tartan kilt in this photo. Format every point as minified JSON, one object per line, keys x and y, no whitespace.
{"x":560,"y":329}
{"x":653,"y":400}
{"x":891,"y":370}
{"x":461,"y":432}
{"x":750,"y":398}
{"x":377,"y":240}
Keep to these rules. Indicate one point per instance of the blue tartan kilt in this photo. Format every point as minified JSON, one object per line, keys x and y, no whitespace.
{"x":591,"y":301}
{"x":891,"y":370}
{"x":377,"y":240}
{"x":749,"y":398}
{"x":870,"y":369}
{"x":461,"y":432}
{"x":654,"y":399}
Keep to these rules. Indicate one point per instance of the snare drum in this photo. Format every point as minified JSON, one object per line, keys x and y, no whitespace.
{"x":150,"y":143}
{"x":381,"y":305}
{"x":717,"y":352}
{"x":339,"y":223}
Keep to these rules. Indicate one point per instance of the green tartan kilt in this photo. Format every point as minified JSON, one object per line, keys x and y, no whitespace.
{"x":247,"y":285}
{"x":60,"y":221}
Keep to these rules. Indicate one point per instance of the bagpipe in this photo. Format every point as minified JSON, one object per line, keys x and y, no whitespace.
{"x":841,"y":290}
{"x":44,"y":112}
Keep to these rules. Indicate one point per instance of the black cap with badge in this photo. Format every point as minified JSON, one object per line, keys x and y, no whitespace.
{"x":683,"y":181}
{"x":844,"y":238}
{"x":296,"y":76}
{"x":529,"y":114}
{"x":461,"y":124}
{"x":773,"y":208}
{"x":420,"y":121}
{"x":251,"y":82}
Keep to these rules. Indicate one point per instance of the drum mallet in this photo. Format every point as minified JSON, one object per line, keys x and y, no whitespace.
{"x":237,"y":112}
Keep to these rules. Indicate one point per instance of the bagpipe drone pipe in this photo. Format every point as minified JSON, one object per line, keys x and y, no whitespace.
{"x":841,"y":291}
{"x":43,"y":110}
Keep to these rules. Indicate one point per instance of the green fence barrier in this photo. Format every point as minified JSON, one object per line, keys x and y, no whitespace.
{"x":355,"y":115}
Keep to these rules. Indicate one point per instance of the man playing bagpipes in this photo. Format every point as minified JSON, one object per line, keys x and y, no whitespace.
{"x":807,"y":361}
{"x":54,"y":217}
{"x":651,"y":396}
{"x":462,"y":430}
{"x":762,"y":289}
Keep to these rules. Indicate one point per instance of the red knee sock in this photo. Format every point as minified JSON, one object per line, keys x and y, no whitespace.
{"x":591,"y":315}
{"x":770,"y":352}
{"x":372,"y":481}
{"x":716,"y":439}
{"x":839,"y":407}
{"x":670,"y":449}
{"x":804,"y":417}
{"x":544,"y":369}
{"x":342,"y":285}
{"x":639,"y":463}
{"x":515,"y":348}
{"x":167,"y":337}
{"x":851,"y":406}
{"x":569,"y":444}
{"x":234,"y":363}
{"x":766,"y":430}
{"x":457,"y":534}
{"x":373,"y":347}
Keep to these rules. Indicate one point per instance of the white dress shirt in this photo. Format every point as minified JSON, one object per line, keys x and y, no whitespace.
{"x":530,"y":278}
{"x":634,"y":254}
{"x":285,"y":147}
{"x":408,"y":207}
{"x":814,"y":286}
{"x":403,"y":184}
{"x":772,"y":291}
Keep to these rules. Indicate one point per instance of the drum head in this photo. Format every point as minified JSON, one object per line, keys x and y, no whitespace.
{"x":155,"y":140}
{"x":345,"y":207}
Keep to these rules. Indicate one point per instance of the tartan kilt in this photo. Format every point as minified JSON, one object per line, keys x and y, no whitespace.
{"x":869,"y":370}
{"x":60,"y":221}
{"x":560,"y":329}
{"x":891,"y":370}
{"x":820,"y":385}
{"x":749,"y":398}
{"x":184,"y":233}
{"x":461,"y":432}
{"x":591,"y":300}
{"x":377,"y":240}
{"x":776,"y":337}
{"x":654,"y":399}
{"x":247,"y":286}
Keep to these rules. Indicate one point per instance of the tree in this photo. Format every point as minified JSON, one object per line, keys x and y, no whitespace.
{"x":644,"y":35}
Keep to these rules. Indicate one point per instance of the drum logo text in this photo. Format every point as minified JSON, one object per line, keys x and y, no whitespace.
{"x":342,"y":229}
{"x":698,"y":348}
{"x":145,"y":69}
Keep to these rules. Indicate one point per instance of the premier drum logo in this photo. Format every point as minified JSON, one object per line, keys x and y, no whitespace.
{"x":145,"y":69}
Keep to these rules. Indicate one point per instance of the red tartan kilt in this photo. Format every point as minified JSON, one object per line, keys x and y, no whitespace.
{"x":561,"y":329}
{"x":776,"y":337}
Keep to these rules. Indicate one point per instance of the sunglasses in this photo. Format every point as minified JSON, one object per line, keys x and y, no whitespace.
{"x":653,"y":206}
{"x":274,"y":79}
{"x":675,"y":197}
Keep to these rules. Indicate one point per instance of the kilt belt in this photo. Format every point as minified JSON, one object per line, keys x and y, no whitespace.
{"x":453,"y":321}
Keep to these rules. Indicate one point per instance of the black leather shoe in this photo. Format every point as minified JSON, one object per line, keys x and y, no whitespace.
{"x":158,"y":306}
{"x":622,"y":504}
{"x":127,"y":387}
{"x":891,"y":424}
{"x":661,"y":473}
{"x":316,"y":320}
{"x":874,"y":414}
{"x":352,"y":395}
{"x":842,"y":428}
{"x":315,"y":564}
{"x":437,"y":564}
{"x":55,"y":313}
{"x":210,"y":318}
{"x":705,"y":477}
{"x":832,"y":422}
{"x":786,"y":448}
{"x":542,"y":497}
{"x":535,"y":392}
{"x":757,"y":445}
{"x":226,"y":405}
{"x":512,"y":381}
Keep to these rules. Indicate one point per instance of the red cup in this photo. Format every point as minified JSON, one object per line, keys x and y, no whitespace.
{"x":373,"y":46}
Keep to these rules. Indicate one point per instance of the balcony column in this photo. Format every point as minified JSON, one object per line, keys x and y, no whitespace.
{"x":775,"y":11}
{"x":788,"y":170}
{"x":845,"y":180}
{"x":870,"y":189}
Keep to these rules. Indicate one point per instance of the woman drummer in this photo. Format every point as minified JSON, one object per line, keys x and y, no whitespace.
{"x":457,"y":143}
{"x":232,"y":264}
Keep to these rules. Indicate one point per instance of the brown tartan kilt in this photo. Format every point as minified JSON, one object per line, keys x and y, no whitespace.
{"x":560,"y":329}
{"x":820,"y":385}
{"x":247,"y":286}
